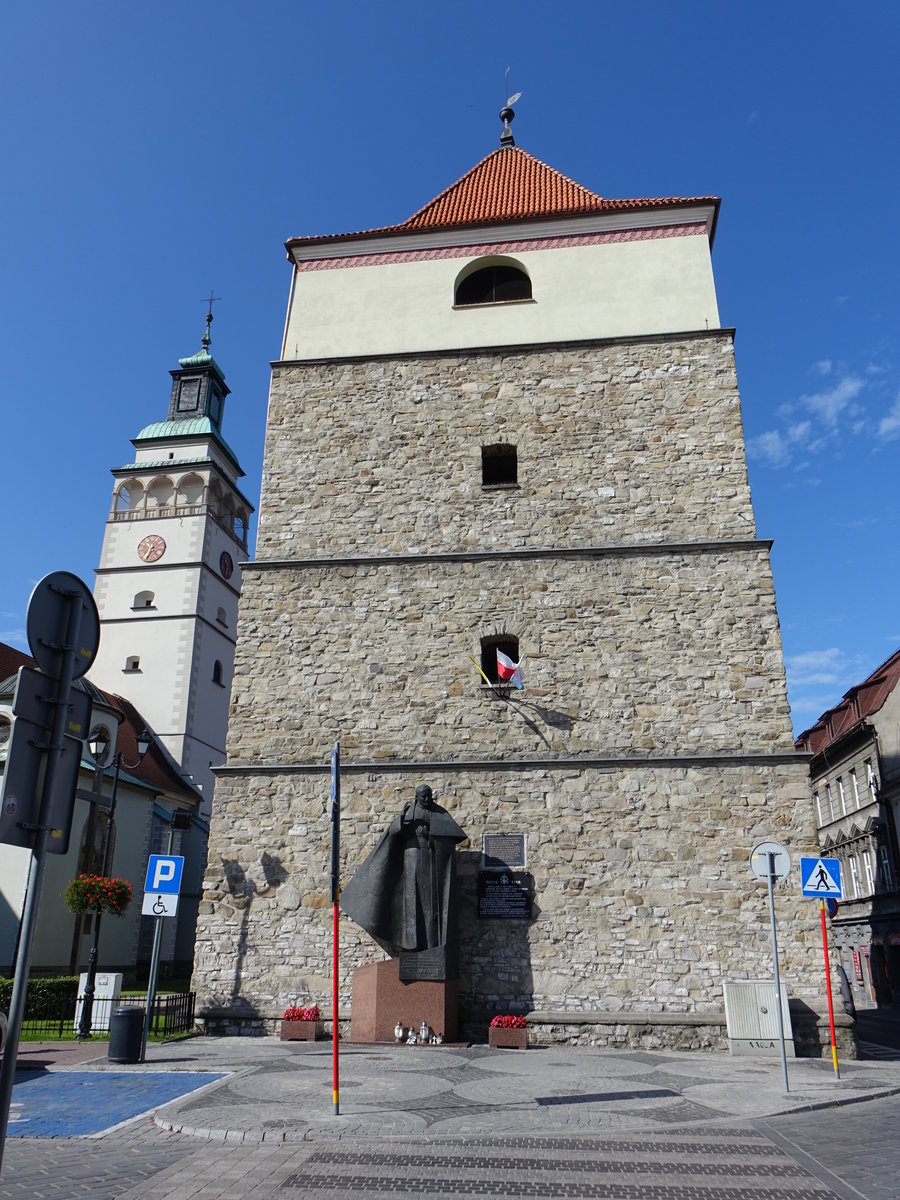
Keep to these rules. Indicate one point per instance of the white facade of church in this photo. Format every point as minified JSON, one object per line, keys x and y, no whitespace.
{"x":170,"y":574}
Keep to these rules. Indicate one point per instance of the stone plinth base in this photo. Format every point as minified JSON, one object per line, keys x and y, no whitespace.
{"x":380,"y":1000}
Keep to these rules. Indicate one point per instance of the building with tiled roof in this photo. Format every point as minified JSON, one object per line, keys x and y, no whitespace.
{"x":855,"y":778}
{"x":148,"y":792}
{"x":508,"y":428}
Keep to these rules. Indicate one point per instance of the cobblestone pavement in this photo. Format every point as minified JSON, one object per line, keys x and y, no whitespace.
{"x":726,"y":1161}
{"x":542,"y":1123}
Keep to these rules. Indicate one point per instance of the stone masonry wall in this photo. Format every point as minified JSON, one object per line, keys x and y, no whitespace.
{"x":651,"y":749}
{"x":644,"y":899}
{"x":638,"y":653}
{"x":634,"y":442}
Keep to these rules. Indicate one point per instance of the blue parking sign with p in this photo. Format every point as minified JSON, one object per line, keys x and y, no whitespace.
{"x":164,"y":874}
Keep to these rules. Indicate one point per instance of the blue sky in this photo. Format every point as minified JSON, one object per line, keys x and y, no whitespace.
{"x":152,"y":152}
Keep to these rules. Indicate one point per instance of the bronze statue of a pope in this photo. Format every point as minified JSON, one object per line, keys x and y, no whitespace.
{"x":402,"y":894}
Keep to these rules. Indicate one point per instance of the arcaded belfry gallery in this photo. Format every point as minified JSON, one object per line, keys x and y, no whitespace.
{"x":512,"y":423}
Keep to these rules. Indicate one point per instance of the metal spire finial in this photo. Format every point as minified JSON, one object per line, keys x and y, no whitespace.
{"x":206,"y":339}
{"x":507,"y":114}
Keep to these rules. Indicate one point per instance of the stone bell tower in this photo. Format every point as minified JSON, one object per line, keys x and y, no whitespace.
{"x":512,"y":423}
{"x":170,"y":572}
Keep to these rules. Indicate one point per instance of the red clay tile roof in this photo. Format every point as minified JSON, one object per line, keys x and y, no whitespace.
{"x":860,"y":702}
{"x":155,"y":769}
{"x":11,"y":659}
{"x":509,"y":185}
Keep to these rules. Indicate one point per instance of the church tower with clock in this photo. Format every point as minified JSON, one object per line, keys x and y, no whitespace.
{"x":169,"y":577}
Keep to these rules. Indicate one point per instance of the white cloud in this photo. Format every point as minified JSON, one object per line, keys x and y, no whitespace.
{"x":889,"y":426}
{"x":799,"y":432}
{"x":816,"y":667}
{"x":771,"y":447}
{"x":15,"y":637}
{"x":833,"y":416}
{"x":829,"y":405}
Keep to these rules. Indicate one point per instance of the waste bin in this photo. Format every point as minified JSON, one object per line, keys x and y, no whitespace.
{"x":126,"y":1029}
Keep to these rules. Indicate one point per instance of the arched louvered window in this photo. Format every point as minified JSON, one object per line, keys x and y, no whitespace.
{"x":495,"y":283}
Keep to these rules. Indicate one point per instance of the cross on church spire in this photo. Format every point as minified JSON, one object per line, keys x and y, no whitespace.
{"x":206,"y":339}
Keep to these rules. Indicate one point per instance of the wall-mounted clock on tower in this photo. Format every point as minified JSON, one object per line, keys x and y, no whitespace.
{"x":151,"y":548}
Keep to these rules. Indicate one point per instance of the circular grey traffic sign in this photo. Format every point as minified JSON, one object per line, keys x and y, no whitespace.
{"x":47,"y":623}
{"x":759,"y":860}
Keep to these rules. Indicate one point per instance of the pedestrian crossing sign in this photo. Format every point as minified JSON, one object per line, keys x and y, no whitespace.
{"x":821,"y":877}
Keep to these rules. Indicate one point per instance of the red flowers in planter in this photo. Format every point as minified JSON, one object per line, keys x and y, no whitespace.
{"x":95,"y":893}
{"x":293,"y":1013}
{"x":516,"y":1021}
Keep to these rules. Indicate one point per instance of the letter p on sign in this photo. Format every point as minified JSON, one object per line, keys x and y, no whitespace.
{"x":164,"y":874}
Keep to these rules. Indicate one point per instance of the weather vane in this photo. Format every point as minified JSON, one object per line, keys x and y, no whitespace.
{"x":507,"y":114}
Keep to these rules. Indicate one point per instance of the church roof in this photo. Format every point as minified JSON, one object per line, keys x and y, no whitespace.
{"x":194,"y":428}
{"x":509,"y":185}
{"x":155,"y":770}
{"x":862,"y":701}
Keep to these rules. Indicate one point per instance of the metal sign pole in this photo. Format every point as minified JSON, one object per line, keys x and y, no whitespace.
{"x":834,"y":1057}
{"x":772,"y":876}
{"x":36,"y":873}
{"x":154,"y":965}
{"x":335,"y":897}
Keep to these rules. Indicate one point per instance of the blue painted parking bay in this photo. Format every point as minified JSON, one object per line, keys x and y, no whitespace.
{"x":60,"y":1104}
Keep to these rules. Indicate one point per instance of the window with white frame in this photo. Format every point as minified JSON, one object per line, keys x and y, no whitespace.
{"x":870,"y":779}
{"x":832,"y":814}
{"x":818,"y":801}
{"x":870,"y":872}
{"x":841,"y":798}
{"x":855,"y":783}
{"x":854,"y":876}
{"x":884,"y":866}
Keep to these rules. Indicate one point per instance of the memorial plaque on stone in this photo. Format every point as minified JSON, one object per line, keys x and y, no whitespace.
{"x":504,"y":895}
{"x":504,"y":850}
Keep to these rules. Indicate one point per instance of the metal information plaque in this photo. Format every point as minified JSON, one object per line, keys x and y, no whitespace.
{"x":504,"y":850}
{"x":504,"y":896}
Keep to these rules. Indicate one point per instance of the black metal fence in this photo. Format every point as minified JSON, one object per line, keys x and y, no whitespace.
{"x":58,"y":1017}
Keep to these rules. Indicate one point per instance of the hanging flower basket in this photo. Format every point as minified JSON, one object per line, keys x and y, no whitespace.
{"x":508,"y":1033}
{"x":302,"y":1024}
{"x":94,"y":893}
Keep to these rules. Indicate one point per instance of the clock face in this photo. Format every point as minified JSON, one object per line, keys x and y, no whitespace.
{"x":151,"y":548}
{"x":226,"y":564}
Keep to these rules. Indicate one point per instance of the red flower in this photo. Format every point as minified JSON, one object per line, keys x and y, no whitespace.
{"x":512,"y":1021}
{"x":94,"y":893}
{"x":293,"y":1013}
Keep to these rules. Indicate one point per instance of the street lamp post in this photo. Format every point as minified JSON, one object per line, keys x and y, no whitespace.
{"x":98,"y":743}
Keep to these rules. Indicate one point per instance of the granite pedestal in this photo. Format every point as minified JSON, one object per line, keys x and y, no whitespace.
{"x":381,"y":999}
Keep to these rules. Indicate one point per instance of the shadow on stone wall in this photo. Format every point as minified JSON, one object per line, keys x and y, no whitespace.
{"x":550,"y":717}
{"x":243,"y":887}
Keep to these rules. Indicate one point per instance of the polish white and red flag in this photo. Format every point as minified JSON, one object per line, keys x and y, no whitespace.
{"x":508,"y":671}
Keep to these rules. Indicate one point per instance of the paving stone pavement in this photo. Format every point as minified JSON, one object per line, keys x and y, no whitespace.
{"x":415,"y":1121}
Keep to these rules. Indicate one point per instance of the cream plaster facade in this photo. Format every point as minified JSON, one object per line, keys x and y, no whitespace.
{"x":660,"y":282}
